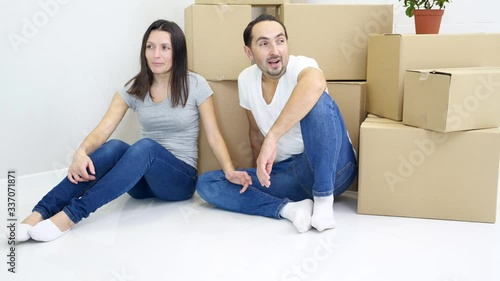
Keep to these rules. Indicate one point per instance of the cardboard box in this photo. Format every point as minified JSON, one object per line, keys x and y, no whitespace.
{"x":214,"y":37}
{"x":350,"y":98}
{"x":336,"y":36}
{"x":390,"y":55}
{"x":233,"y":124}
{"x":241,"y":2}
{"x":454,"y":99}
{"x":412,"y":172}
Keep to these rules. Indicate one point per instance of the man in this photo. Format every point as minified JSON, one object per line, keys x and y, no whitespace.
{"x":297,"y":134}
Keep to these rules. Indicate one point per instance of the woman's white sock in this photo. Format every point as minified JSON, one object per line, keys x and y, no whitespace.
{"x":323,"y":216}
{"x":299,"y":213}
{"x":46,"y":231}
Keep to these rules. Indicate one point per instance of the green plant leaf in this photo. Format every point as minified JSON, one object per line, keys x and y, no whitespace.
{"x":411,"y":5}
{"x":409,"y":11}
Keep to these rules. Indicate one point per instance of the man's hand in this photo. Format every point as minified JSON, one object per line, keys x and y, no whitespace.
{"x":265,"y":161}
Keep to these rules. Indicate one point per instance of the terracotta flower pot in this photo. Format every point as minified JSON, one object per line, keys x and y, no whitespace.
{"x":428,"y":21}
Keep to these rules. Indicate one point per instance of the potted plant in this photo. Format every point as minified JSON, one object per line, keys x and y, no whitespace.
{"x":428,"y":14}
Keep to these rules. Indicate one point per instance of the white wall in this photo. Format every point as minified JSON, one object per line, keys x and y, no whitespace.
{"x":62,"y":60}
{"x":57,"y":83}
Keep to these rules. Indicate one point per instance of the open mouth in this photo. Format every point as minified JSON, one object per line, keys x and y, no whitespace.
{"x":274,"y":62}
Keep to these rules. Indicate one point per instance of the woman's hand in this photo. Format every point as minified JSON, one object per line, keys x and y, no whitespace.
{"x":81,"y":165}
{"x":240,"y":178}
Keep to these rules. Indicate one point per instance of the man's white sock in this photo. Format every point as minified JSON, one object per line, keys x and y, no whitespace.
{"x":46,"y":231}
{"x":299,"y":213}
{"x":323,"y":217}
{"x":22,"y":232}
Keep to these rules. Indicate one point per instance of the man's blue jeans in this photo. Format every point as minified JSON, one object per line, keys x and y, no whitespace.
{"x":144,"y":170}
{"x":327,"y":166}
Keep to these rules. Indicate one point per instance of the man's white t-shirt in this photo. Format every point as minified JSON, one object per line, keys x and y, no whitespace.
{"x":251,"y":98}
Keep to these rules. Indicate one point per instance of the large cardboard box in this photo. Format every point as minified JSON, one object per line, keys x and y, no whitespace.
{"x":233,"y":125}
{"x":412,"y":172}
{"x":454,"y":99}
{"x":390,"y":55}
{"x":350,"y":98}
{"x":241,"y":2}
{"x":214,"y":37}
{"x":335,"y":35}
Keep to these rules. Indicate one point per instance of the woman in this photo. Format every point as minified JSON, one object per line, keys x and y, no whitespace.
{"x":168,"y":100}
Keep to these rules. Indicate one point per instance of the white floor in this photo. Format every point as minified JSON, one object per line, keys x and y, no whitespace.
{"x":131,"y":240}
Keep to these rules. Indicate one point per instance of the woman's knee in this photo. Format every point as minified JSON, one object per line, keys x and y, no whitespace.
{"x":145,"y":143}
{"x":143,"y":146}
{"x":113,"y":147}
{"x":115,"y":144}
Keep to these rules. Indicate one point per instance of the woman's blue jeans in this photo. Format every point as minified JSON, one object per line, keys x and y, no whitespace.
{"x":327,"y":166}
{"x":144,"y":170}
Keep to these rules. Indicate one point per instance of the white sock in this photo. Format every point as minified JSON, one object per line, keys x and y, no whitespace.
{"x":299,"y":213}
{"x":22,"y":232}
{"x":323,"y":217}
{"x":46,"y":231}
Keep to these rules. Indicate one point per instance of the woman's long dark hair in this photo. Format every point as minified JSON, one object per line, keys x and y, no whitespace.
{"x":142,"y":82}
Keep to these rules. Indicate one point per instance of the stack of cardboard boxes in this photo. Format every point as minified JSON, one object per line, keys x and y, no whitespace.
{"x":336,"y":36}
{"x":432,"y":147}
{"x":434,"y":150}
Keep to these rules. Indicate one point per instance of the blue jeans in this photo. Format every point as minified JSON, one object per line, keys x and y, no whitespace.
{"x":144,"y":170}
{"x":327,"y":166}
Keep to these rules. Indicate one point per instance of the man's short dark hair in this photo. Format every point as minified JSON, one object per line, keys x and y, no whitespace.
{"x":247,"y":34}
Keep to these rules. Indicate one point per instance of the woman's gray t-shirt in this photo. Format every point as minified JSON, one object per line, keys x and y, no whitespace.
{"x":175,"y":128}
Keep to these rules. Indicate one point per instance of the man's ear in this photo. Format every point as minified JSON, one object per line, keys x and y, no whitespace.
{"x":248,"y":52}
